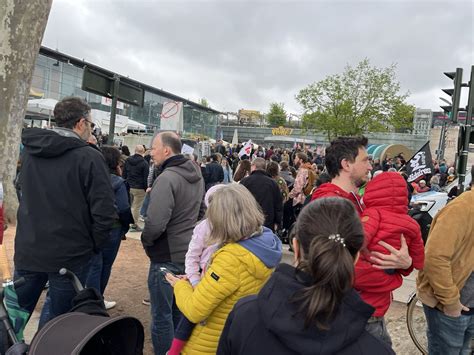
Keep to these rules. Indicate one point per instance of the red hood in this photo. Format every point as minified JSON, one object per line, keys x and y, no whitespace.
{"x":330,"y":190}
{"x":387,"y":190}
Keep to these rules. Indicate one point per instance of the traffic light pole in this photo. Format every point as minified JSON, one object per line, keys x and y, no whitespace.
{"x":466,"y":138}
{"x":442,"y":141}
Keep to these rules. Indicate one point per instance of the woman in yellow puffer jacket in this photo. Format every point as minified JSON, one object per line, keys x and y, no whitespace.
{"x":240,"y":268}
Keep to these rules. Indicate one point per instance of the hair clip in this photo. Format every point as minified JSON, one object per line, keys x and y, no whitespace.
{"x":337,"y":239}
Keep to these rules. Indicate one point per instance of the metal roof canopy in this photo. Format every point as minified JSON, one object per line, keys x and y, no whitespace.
{"x":288,"y":139}
{"x":382,"y":151}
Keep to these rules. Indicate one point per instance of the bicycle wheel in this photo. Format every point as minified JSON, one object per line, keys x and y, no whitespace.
{"x":416,"y":323}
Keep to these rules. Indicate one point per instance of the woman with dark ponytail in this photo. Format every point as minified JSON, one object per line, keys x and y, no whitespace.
{"x":310,"y":308}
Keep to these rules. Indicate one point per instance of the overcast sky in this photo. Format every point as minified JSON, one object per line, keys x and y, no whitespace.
{"x":247,"y":54}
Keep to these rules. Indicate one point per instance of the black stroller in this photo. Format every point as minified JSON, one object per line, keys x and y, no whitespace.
{"x":86,"y":329}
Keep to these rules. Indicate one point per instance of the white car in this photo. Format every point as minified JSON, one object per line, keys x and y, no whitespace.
{"x":433,"y":201}
{"x":426,"y":205}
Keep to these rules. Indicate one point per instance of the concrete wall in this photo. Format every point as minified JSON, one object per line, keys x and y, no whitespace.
{"x":257,"y":135}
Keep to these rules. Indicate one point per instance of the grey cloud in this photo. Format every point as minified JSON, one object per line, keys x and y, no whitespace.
{"x":239,"y":54}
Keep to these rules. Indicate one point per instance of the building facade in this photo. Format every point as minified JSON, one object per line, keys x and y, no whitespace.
{"x":422,"y":121}
{"x":58,"y":75}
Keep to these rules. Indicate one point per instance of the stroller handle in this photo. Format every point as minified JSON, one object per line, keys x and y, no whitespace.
{"x":71,"y":276}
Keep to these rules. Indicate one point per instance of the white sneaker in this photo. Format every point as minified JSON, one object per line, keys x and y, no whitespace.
{"x":109,"y":304}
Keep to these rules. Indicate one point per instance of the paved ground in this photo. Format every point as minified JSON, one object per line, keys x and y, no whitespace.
{"x":128,"y":287}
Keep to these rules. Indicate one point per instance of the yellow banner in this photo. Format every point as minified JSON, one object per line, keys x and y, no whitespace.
{"x":281,"y":131}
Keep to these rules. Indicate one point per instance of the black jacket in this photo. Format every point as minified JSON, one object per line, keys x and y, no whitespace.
{"x":67,"y":204}
{"x":268,"y":195}
{"x":221,"y":149}
{"x":136,"y":171}
{"x":268,"y":323}
{"x":213,"y":174}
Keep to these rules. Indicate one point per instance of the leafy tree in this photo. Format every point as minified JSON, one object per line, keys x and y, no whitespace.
{"x":277,"y":114}
{"x":204,"y":102}
{"x":402,"y":117}
{"x":361,"y":99}
{"x":21,"y":30}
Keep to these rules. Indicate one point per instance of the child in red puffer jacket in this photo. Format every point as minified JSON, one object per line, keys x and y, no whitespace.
{"x":385,"y":219}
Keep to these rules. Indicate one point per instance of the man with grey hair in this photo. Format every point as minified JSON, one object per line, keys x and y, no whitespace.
{"x":66,"y":207}
{"x":176,"y":198}
{"x":136,"y":171}
{"x":266,"y":192}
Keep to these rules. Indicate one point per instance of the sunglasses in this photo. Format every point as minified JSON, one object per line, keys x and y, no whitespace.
{"x":90,"y":122}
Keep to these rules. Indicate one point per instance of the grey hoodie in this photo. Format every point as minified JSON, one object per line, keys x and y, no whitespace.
{"x":175,"y":202}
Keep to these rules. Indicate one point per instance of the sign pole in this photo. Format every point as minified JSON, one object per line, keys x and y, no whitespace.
{"x":113,"y":110}
{"x":114,"y":87}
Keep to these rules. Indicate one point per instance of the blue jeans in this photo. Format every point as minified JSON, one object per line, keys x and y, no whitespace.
{"x":377,"y":327}
{"x":184,"y":329}
{"x":101,"y":263}
{"x":165,"y":315}
{"x":60,"y":292}
{"x":448,"y":335}
{"x":145,"y":204}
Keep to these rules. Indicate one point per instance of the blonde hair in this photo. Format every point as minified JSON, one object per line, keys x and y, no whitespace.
{"x":233,"y":215}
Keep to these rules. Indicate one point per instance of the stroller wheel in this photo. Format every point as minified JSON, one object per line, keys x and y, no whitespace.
{"x":5,"y":342}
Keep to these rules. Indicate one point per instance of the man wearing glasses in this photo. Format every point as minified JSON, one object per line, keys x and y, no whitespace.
{"x":66,"y":209}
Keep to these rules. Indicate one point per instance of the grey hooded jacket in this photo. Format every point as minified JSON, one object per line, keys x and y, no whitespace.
{"x":176,"y":200}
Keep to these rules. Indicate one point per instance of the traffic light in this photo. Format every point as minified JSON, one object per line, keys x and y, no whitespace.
{"x":466,"y":136}
{"x":462,"y":137}
{"x":455,"y":94}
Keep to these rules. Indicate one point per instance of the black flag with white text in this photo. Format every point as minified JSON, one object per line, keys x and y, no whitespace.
{"x":421,"y":164}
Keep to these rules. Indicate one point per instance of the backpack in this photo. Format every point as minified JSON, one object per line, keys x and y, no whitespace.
{"x":310,"y":182}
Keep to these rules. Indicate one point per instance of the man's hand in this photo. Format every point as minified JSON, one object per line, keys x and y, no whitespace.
{"x":148,"y":189}
{"x":456,"y":313}
{"x":397,"y":259}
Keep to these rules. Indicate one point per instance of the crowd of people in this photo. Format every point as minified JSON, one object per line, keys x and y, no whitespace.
{"x":213,"y":231}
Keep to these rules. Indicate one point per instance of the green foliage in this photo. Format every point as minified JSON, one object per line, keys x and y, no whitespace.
{"x":361,"y":99}
{"x":277,"y":114}
{"x":204,"y":102}
{"x":403,"y":115}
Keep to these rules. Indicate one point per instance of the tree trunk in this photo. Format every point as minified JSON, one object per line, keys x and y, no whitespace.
{"x":22,"y":25}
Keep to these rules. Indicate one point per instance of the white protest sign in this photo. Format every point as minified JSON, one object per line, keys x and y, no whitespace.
{"x":205,"y":148}
{"x":172,"y":116}
{"x":246,"y":149}
{"x":186,"y":149}
{"x":108,"y":102}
